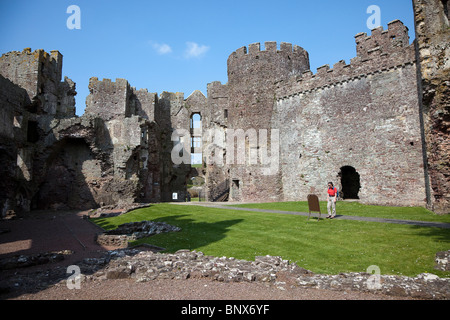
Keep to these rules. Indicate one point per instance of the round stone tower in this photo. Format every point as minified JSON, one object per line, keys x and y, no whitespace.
{"x":256,"y":65}
{"x":252,"y":76}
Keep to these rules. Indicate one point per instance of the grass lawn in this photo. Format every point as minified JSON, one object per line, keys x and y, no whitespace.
{"x":326,"y":246}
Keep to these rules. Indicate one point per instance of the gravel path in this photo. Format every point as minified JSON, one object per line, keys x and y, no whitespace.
{"x":191,"y":289}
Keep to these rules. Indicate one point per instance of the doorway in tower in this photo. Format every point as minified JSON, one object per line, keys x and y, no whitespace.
{"x":350,"y":182}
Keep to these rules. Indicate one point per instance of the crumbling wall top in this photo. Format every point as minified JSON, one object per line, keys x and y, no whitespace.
{"x":108,"y":99}
{"x":386,"y":41}
{"x":31,"y":69}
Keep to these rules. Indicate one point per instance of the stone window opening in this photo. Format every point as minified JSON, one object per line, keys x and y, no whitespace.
{"x":32,"y":132}
{"x":350,"y":183}
{"x":196,"y":138}
{"x":196,"y":142}
{"x":196,"y":121}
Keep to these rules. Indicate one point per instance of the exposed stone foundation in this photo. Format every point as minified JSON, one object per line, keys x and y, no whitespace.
{"x":184,"y":264}
{"x":132,"y":231}
{"x":147,"y":264}
{"x":24,"y":261}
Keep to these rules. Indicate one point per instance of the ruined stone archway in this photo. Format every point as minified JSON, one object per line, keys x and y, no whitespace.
{"x":350,"y":182}
{"x":69,"y":168}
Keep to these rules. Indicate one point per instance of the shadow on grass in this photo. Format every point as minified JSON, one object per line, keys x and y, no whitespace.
{"x":437,"y":234}
{"x":193,"y":235}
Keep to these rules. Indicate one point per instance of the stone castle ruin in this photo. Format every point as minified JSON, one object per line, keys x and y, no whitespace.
{"x":378,"y":127}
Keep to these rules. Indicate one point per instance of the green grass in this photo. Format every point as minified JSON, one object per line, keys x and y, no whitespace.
{"x":356,"y":209}
{"x":326,"y":246}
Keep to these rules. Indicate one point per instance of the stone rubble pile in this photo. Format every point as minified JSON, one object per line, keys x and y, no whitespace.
{"x":443,"y":260}
{"x":142,"y":229}
{"x":145,"y":266}
{"x":24,"y":261}
{"x":115,"y":209}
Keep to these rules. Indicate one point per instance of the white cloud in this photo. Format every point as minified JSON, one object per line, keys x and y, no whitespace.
{"x":194,"y":50}
{"x":162,"y":48}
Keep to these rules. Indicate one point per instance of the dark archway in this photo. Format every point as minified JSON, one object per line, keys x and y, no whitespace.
{"x":8,"y":182}
{"x":350,"y":182}
{"x":65,"y":186}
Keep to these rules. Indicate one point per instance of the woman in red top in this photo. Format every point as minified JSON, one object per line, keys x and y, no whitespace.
{"x":331,"y":199}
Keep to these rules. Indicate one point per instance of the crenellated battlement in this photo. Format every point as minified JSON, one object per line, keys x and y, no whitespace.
{"x":382,"y":51}
{"x":108,"y":99}
{"x":39,"y":54}
{"x":255,"y":64}
{"x":94,"y":82}
{"x":270,"y":47}
{"x":384,"y":41}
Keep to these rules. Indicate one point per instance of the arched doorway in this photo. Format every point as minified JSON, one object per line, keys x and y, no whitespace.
{"x":350,"y":182}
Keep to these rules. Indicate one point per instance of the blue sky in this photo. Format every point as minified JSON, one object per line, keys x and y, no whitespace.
{"x":181,"y":46}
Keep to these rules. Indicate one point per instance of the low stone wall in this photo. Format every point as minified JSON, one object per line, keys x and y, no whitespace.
{"x":147,"y":266}
{"x":108,"y":240}
{"x":24,"y":261}
{"x":132,"y":231}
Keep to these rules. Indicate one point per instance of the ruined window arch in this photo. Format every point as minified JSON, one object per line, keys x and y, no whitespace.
{"x":196,"y":138}
{"x":350,"y":182}
{"x":196,"y":120}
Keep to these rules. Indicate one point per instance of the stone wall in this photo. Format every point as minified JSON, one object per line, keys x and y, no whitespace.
{"x":370,"y":123}
{"x":433,"y":54}
{"x":356,"y":122}
{"x":39,"y":73}
{"x":32,"y":95}
{"x":245,"y":105}
{"x":369,"y":126}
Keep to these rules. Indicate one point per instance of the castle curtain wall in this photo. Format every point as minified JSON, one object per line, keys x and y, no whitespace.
{"x":370,"y":123}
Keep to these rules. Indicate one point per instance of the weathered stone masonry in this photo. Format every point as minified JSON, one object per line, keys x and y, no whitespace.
{"x":357,"y":124}
{"x":433,"y":51}
{"x":32,"y":98}
{"x":377,"y":127}
{"x":363,"y":115}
